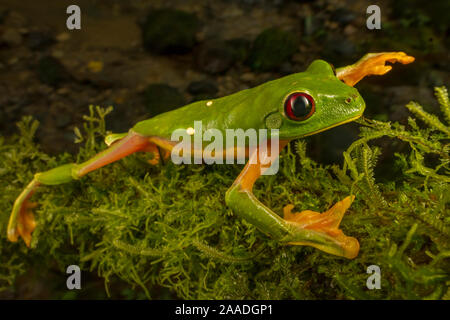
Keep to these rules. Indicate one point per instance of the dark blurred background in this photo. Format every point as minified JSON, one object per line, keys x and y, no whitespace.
{"x":148,"y":57}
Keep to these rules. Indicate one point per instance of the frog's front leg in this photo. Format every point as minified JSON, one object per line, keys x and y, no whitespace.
{"x":309,"y":228}
{"x":371,"y":64}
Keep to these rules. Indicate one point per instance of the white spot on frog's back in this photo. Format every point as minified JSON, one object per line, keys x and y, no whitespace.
{"x":190,"y":131}
{"x":209,"y":103}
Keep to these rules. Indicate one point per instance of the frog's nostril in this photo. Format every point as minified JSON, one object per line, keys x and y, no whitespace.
{"x":348,"y":100}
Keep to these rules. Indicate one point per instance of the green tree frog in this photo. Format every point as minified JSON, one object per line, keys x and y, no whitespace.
{"x":298,"y":105}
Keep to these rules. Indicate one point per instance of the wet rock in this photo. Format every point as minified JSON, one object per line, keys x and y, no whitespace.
{"x":350,"y":29}
{"x":286,"y":68}
{"x":51,"y":71}
{"x":203,"y":87}
{"x":337,"y":46}
{"x":3,"y":14}
{"x":343,"y":16}
{"x":11,"y":37}
{"x":312,"y":24}
{"x":434,"y":78}
{"x":63,"y":36}
{"x":37,"y":40}
{"x":436,"y":11}
{"x":160,"y":98}
{"x":240,"y":48}
{"x":248,"y":77}
{"x":251,"y":2}
{"x":330,"y":145}
{"x":215,"y":57}
{"x":169,"y":31}
{"x":271,"y":48}
{"x":63,"y":91}
{"x":62,"y":120}
{"x":401,"y":95}
{"x":391,"y":101}
{"x":202,"y":90}
{"x":100,"y":80}
{"x":411,"y":10}
{"x":3,"y":118}
{"x":15,"y":20}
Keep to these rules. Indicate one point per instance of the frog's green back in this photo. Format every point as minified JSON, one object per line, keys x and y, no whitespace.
{"x":250,"y":108}
{"x":222,"y":113}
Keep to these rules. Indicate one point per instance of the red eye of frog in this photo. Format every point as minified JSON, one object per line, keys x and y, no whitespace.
{"x":299,"y":106}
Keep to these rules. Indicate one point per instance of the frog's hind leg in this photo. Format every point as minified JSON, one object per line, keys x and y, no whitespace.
{"x":326,"y":223}
{"x":371,"y":64}
{"x":21,"y":221}
{"x":158,"y":155}
{"x":308,"y":228}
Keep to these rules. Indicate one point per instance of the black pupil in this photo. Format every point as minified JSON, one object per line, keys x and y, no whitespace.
{"x":301,"y":107}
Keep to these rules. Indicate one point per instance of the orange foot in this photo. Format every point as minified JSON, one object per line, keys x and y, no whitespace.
{"x":371,"y":64}
{"x":26,"y":223}
{"x":326,"y":223}
{"x":21,"y":222}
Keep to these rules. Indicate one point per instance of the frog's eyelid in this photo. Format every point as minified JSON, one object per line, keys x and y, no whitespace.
{"x":333,"y":68}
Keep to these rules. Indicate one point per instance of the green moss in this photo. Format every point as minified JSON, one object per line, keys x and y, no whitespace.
{"x":50,"y":71}
{"x":271,"y":49}
{"x":168,"y":226}
{"x":169,"y":31}
{"x":160,"y":98}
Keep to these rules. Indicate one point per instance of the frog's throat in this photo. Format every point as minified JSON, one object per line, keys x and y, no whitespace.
{"x":332,"y":126}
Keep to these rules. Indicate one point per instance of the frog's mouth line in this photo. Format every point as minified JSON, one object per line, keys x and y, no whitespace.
{"x":332,"y":126}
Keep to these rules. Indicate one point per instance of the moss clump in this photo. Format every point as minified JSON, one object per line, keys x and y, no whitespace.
{"x":240,"y":47}
{"x":50,"y":71}
{"x":272,"y":48}
{"x":168,"y":226}
{"x":160,"y":98}
{"x":169,"y":31}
